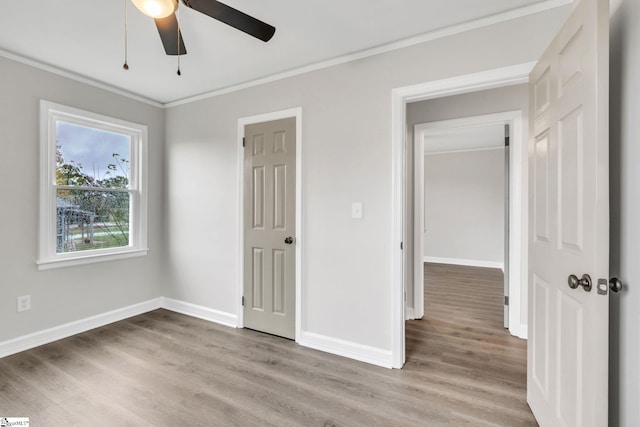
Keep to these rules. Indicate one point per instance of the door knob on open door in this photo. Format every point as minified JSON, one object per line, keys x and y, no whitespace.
{"x":585,"y":282}
{"x":288,"y":240}
{"x":615,"y":284}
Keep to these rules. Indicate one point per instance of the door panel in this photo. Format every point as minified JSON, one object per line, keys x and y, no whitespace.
{"x":538,"y":358}
{"x":570,"y":360}
{"x":541,"y":188}
{"x":571,"y":179}
{"x":280,"y":197}
{"x":279,"y":281}
{"x":257,"y":279}
{"x":269,"y":191}
{"x":257,"y":206}
{"x":568,"y":349}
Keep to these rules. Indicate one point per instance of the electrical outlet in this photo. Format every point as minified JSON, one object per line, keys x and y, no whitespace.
{"x":24,"y":303}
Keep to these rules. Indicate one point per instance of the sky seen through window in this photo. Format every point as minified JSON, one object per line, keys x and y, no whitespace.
{"x":94,"y":149}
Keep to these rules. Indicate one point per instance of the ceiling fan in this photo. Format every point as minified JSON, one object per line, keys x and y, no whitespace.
{"x":163,"y":12}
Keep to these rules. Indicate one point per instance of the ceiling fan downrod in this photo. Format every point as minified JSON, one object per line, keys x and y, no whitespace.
{"x":125,"y":66}
{"x":179,"y":73}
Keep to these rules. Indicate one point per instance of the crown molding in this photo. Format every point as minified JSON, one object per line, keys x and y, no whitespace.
{"x":389,"y":47}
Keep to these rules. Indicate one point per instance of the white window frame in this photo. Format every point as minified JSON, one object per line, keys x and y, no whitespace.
{"x":50,"y":113}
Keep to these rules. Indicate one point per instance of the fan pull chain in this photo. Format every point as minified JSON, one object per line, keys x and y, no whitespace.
{"x":126,"y":53}
{"x":178,"y":19}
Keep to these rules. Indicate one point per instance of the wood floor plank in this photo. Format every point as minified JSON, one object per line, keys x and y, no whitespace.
{"x":163,"y":368}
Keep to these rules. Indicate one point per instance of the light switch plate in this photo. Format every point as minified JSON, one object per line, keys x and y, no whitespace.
{"x":356,"y":210}
{"x":24,"y":303}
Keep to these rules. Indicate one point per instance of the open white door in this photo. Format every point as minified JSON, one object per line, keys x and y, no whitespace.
{"x":567,"y":369}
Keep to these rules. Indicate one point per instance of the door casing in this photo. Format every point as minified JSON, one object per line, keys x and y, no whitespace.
{"x":400,"y":97}
{"x":242,"y":122}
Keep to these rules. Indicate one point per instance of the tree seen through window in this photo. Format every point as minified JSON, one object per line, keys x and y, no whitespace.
{"x":92,"y":188}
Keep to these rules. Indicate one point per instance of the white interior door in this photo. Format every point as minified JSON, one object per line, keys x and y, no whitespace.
{"x":567,"y":369}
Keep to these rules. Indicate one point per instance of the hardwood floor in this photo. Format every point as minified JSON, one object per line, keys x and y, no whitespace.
{"x":461,"y":344}
{"x":166,"y":369}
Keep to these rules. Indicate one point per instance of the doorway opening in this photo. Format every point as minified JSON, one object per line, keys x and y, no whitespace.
{"x":401,"y":97}
{"x":462,"y":213}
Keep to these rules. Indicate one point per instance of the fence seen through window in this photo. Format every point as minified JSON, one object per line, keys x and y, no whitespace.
{"x":93,"y":199}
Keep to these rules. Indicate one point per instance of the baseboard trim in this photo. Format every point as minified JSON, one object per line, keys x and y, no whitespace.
{"x":467,"y":262}
{"x":56,"y":333}
{"x":200,"y":312}
{"x":351,"y":350}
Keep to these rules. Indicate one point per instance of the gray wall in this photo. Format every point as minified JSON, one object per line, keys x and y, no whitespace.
{"x":346,"y":157}
{"x":464,"y":205}
{"x":625,"y":213}
{"x":498,"y":100}
{"x":63,"y":295}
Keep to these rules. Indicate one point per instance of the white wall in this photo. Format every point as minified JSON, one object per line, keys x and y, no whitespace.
{"x":347,"y":157}
{"x":464,"y":202}
{"x":625,"y":213}
{"x":63,"y":295}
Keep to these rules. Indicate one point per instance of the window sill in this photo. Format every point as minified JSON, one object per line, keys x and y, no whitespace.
{"x":89,"y":259}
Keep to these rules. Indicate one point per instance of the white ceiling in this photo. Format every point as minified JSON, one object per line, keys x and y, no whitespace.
{"x":86,"y":38}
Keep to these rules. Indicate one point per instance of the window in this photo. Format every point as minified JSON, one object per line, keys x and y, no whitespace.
{"x":93,"y":201}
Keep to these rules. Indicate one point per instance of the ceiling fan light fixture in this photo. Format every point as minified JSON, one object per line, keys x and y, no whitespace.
{"x":156,"y":8}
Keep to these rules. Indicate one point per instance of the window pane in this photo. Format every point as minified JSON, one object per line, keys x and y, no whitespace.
{"x":90,"y":157}
{"x":91,"y":219}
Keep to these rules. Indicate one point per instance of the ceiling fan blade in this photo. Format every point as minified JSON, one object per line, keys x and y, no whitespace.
{"x":169,"y":31}
{"x":233,"y":17}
